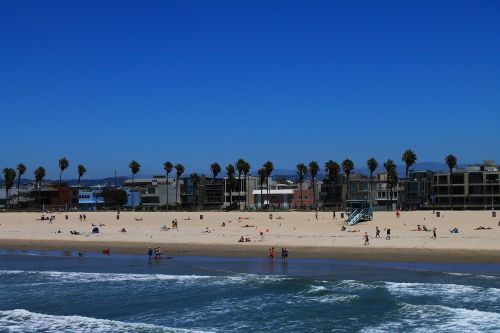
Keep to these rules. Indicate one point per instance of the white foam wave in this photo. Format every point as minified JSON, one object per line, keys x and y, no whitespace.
{"x":448,"y":292}
{"x":438,"y":318}
{"x":21,"y":320}
{"x":84,"y":277}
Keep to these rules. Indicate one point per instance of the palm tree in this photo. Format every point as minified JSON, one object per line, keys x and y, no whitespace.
{"x":179,"y":170}
{"x":269,"y":167}
{"x":231,"y":180}
{"x":134,"y":168}
{"x":81,"y":171}
{"x":262,"y":178}
{"x":168,"y":166}
{"x":240,"y":165}
{"x":216,"y":169}
{"x":39,"y":175}
{"x":313,"y":170}
{"x":9,"y":176}
{"x":21,"y":169}
{"x":195,"y":178}
{"x":333,"y":169}
{"x":246,"y":171}
{"x":347,"y":167}
{"x":390,"y":168}
{"x":301,"y":172}
{"x":451,"y":161}
{"x":63,"y":165}
{"x":409,"y":157}
{"x":372,"y":165}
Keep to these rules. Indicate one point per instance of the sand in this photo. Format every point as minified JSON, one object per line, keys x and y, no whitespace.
{"x":303,"y":234}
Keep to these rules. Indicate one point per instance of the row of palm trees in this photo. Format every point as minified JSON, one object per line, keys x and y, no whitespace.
{"x":10,"y":175}
{"x":242,"y":167}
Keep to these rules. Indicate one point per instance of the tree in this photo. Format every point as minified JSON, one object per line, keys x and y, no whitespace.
{"x":9,"y":176}
{"x":114,"y":197}
{"x":240,"y":165}
{"x":269,"y":167}
{"x":231,"y":180}
{"x":301,"y":173}
{"x":179,"y":170}
{"x":167,"y":166}
{"x":313,"y":170}
{"x":134,"y":168}
{"x":451,"y":162}
{"x":332,"y":168}
{"x":372,"y":165}
{"x":246,"y":171}
{"x":216,"y":169}
{"x":262,"y":178}
{"x":347,"y":167}
{"x":39,"y":175}
{"x":409,"y":158}
{"x":391,"y":178}
{"x":21,"y":169}
{"x":63,"y":165}
{"x":195,"y":178}
{"x":81,"y":171}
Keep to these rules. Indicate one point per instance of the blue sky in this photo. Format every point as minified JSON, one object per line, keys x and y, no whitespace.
{"x":105,"y":82}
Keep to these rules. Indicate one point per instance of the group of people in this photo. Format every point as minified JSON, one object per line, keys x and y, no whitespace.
{"x":284,"y":254}
{"x":366,"y":237}
{"x":156,"y":253}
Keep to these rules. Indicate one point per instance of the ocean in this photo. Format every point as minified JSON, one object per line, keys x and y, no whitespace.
{"x":50,"y":291}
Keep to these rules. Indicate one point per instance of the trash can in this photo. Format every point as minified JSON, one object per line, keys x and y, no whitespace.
{"x":493,"y":214}
{"x":66,"y":217}
{"x":438,"y":214}
{"x":201,"y":217}
{"x":117,"y":216}
{"x":341,"y":215}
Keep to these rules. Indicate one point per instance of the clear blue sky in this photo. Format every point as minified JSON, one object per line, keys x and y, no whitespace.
{"x":105,"y":82}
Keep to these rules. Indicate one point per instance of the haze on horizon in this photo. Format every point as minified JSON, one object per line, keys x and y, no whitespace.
{"x":103,"y":83}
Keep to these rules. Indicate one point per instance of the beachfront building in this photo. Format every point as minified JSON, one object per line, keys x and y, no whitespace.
{"x":90,"y":198}
{"x":153,"y":191}
{"x":418,"y":193}
{"x":241,"y":193}
{"x":472,"y":187}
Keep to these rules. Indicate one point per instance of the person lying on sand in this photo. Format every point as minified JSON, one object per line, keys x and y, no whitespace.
{"x":243,"y":218}
{"x":280,"y":218}
{"x":482,"y":228}
{"x":208,"y":231}
{"x":241,"y":240}
{"x":248,"y":226}
{"x":454,"y":231}
{"x":138,"y":219}
{"x":74,"y":232}
{"x":187,"y":219}
{"x":355,"y":230}
{"x":123,"y":230}
{"x":164,"y":228}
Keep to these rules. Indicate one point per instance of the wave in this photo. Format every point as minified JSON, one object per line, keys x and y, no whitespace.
{"x":438,"y":318}
{"x":21,"y":320}
{"x":84,"y":277}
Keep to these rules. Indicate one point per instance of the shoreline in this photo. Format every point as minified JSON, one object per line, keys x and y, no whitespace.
{"x":256,"y":251}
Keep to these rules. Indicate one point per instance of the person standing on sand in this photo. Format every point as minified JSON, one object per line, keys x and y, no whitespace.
{"x":433,"y":234}
{"x":388,"y":237}
{"x":398,"y":214}
{"x":377,"y":232}
{"x":367,"y":239}
{"x":316,"y":215}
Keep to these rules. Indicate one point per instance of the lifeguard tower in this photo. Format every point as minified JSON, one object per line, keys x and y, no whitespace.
{"x":358,"y":211}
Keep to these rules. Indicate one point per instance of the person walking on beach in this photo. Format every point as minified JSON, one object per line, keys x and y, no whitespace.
{"x":433,"y":234}
{"x":367,"y":239}
{"x":271,"y":254}
{"x":84,"y":217}
{"x":316,"y":215}
{"x":388,"y":234}
{"x":150,"y":253}
{"x":284,"y":254}
{"x":398,"y":214}
{"x":377,"y":232}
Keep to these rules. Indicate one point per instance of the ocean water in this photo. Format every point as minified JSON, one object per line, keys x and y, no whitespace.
{"x":61,"y":292}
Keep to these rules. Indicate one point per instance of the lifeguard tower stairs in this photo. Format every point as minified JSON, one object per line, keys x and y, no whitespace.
{"x":358,"y":211}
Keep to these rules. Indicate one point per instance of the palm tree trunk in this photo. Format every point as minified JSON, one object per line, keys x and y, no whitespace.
{"x":406,"y":188}
{"x":239,"y":192}
{"x":18,"y":185}
{"x":268,"y":195}
{"x":60,"y":182}
{"x":7,"y":198}
{"x":176,"y":189}
{"x":261,"y":197}
{"x":371,"y":188}
{"x":314,"y":193}
{"x":451,"y":189}
{"x":167,"y":192}
{"x":301,"y":201}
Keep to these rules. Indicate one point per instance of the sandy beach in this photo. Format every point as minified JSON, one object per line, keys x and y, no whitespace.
{"x":303,"y":234}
